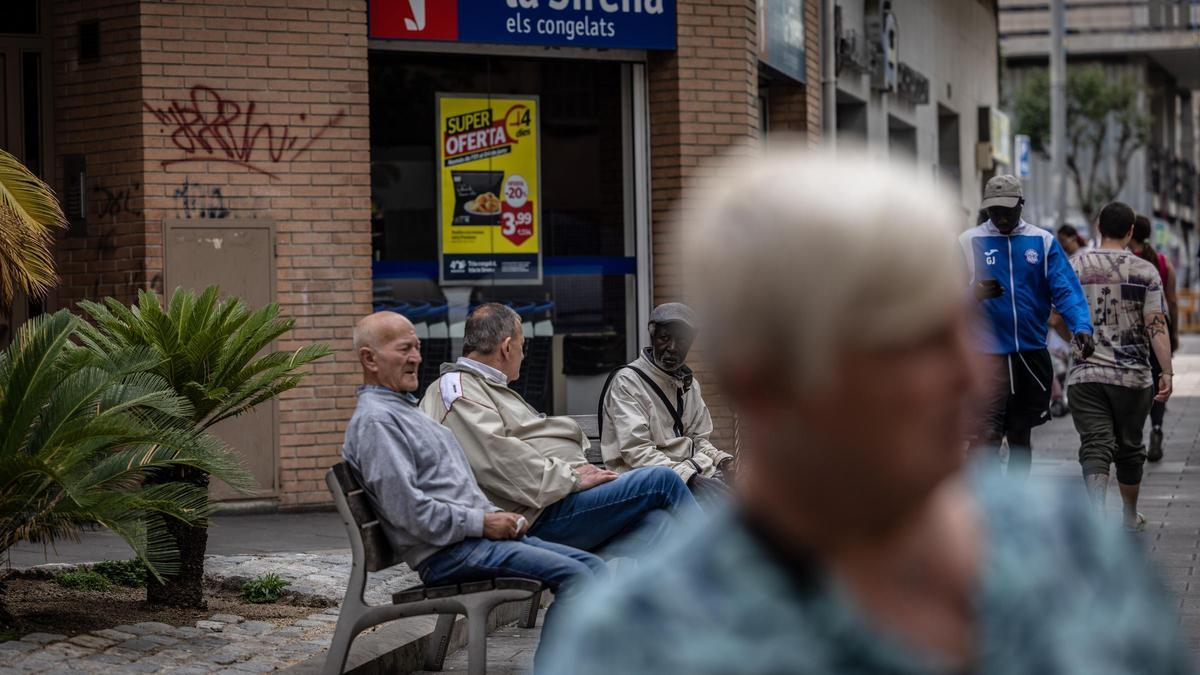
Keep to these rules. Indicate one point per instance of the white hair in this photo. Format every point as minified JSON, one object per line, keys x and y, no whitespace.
{"x":797,"y":253}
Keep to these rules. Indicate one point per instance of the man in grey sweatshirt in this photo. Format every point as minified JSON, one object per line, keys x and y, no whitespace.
{"x":419,"y":482}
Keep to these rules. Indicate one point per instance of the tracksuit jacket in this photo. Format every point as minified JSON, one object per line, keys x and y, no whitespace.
{"x":1036,"y":275}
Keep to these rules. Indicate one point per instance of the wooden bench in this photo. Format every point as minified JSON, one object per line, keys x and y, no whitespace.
{"x":371,"y":553}
{"x":591,"y":429}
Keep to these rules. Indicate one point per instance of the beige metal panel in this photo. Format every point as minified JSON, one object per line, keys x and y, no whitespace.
{"x":238,"y":255}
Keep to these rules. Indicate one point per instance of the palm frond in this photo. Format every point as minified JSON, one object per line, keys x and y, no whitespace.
{"x":29,"y":214}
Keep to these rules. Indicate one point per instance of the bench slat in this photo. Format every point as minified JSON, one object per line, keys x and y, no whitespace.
{"x":360,"y":508}
{"x":379,"y":553}
{"x":418,"y":593}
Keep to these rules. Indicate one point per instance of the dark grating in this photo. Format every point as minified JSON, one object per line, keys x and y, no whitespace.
{"x":89,"y":40}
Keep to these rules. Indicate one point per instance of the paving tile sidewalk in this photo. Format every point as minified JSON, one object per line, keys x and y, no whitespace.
{"x":1170,"y":495}
{"x":1170,"y":499}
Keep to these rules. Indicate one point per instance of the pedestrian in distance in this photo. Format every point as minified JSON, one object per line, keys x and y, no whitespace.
{"x":1018,"y":273}
{"x":1111,"y":390}
{"x":1166,"y":271}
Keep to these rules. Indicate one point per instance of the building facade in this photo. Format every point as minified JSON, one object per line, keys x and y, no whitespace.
{"x":300,"y":152}
{"x":1152,"y":44}
{"x":919,"y":82}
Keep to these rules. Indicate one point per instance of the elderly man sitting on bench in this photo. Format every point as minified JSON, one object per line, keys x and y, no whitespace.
{"x":652,"y":413}
{"x":417,"y":478}
{"x":533,"y":464}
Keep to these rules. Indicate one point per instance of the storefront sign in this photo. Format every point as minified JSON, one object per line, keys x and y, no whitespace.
{"x":781,"y":36}
{"x":489,"y":190}
{"x":604,"y":24}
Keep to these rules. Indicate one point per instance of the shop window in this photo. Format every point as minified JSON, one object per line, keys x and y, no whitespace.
{"x":949,"y":163}
{"x":851,"y":121}
{"x":20,"y":17}
{"x":31,"y":97}
{"x":582,"y":312}
{"x":902,"y":140}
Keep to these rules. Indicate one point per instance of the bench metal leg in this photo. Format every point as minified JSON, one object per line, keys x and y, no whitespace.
{"x":439,"y":642}
{"x":477,"y":620}
{"x":339,"y":648}
{"x":530,"y":615}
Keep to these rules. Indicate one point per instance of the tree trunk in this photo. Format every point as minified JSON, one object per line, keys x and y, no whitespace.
{"x":185,"y":589}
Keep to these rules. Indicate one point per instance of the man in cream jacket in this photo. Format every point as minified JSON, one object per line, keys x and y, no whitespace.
{"x":652,"y":413}
{"x":532,"y":464}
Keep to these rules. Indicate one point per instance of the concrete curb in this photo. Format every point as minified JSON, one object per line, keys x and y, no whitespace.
{"x":399,"y":646}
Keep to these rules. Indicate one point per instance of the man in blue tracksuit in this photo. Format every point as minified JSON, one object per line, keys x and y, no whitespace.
{"x":1019,"y":272}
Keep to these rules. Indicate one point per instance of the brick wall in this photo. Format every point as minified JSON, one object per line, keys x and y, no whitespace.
{"x":302,"y":160}
{"x":704,"y":103}
{"x":812,"y":66}
{"x":98,"y":114}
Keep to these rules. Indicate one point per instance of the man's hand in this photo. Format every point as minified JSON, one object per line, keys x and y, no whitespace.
{"x":988,"y":289}
{"x":591,"y":476}
{"x":1085,"y":344}
{"x":500,"y":526}
{"x":727,"y":470}
{"x":1165,"y":387}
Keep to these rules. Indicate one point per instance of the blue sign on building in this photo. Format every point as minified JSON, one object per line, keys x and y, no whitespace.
{"x":602,"y":24}
{"x":1021,"y":150}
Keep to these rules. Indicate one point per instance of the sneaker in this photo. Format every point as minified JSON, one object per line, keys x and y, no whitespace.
{"x":1156,"y":446}
{"x":1139,"y":524}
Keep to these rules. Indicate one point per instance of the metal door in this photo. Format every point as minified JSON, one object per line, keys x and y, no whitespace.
{"x":237,"y":255}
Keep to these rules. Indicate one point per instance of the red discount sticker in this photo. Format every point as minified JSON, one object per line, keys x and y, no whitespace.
{"x":516,"y":213}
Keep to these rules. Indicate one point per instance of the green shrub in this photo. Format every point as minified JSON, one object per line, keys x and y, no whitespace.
{"x":130,"y":573}
{"x":83,"y":580}
{"x":264,"y":588}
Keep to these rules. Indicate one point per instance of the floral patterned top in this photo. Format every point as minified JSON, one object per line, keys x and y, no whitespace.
{"x":1123,"y":292}
{"x":1060,"y":593}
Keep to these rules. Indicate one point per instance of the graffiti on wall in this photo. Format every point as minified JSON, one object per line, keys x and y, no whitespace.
{"x":112,"y":202}
{"x":208,"y":127}
{"x":193,"y":200}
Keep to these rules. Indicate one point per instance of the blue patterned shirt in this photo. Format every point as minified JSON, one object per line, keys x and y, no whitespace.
{"x":1060,"y":592}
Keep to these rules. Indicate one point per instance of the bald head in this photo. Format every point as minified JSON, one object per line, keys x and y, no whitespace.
{"x":388,"y":350}
{"x":379,"y":327}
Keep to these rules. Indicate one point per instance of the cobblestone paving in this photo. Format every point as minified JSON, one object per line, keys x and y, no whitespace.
{"x":227,"y":644}
{"x":223,"y":643}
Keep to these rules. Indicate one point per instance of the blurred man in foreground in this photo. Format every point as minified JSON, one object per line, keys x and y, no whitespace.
{"x":860,"y":543}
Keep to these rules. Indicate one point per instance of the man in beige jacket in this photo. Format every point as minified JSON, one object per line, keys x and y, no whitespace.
{"x":532,"y":464}
{"x":652,"y":413}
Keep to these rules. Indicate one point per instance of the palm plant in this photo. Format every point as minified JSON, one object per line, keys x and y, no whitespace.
{"x":29,"y":213}
{"x":79,"y":435}
{"x":208,"y":350}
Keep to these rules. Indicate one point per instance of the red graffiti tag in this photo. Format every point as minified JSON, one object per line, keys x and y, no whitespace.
{"x":210,"y":128}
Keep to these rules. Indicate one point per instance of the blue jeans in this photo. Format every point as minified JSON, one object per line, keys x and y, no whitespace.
{"x":564,"y":569}
{"x":620,"y":518}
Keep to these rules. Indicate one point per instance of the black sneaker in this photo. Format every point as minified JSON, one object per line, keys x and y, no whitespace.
{"x":1156,"y":446}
